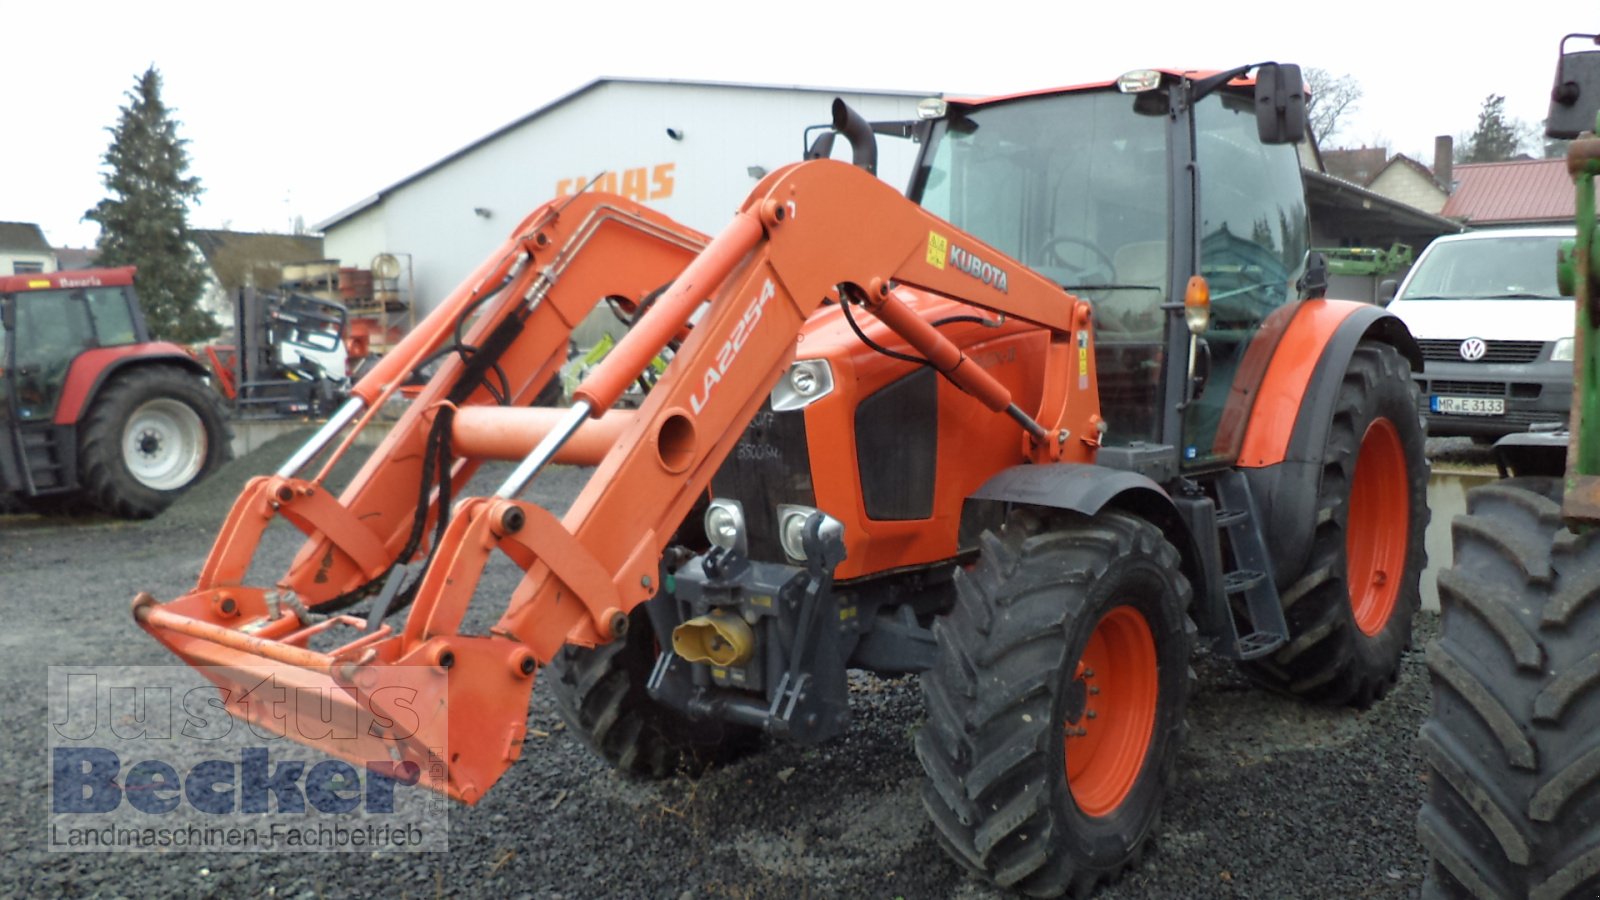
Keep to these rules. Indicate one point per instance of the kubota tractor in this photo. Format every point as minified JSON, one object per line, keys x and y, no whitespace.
{"x":1027,"y":433}
{"x":1513,"y":735}
{"x":91,"y":410}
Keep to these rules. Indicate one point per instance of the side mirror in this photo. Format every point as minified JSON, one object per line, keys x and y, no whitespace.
{"x":1280,"y":104}
{"x":8,"y":313}
{"x":1387,"y":288}
{"x":1575,"y":97}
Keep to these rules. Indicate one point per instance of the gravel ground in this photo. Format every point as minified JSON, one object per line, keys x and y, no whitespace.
{"x":1274,"y":799}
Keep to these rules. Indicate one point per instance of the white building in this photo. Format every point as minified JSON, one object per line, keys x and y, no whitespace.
{"x":691,"y":150}
{"x":23,"y":249}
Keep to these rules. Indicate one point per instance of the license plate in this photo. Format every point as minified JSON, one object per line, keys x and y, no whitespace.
{"x":1470,"y":406}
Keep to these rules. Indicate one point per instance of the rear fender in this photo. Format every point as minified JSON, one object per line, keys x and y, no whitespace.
{"x":91,"y":370}
{"x":1284,"y":442}
{"x":1085,"y":489}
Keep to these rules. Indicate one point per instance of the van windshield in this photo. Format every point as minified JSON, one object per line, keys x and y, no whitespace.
{"x":1509,"y":268}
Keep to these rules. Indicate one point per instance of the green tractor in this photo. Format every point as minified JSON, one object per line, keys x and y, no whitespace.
{"x":1513,"y":737}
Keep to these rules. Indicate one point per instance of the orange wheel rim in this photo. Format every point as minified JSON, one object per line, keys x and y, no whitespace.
{"x":1106,"y":746}
{"x":1379,"y":527}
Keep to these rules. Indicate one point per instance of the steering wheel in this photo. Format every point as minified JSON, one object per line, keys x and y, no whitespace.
{"x":1093,"y":262}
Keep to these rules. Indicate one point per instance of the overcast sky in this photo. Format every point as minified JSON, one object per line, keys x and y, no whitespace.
{"x":301,"y":109}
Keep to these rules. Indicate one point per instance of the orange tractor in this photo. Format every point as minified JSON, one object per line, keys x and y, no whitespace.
{"x":1027,"y":433}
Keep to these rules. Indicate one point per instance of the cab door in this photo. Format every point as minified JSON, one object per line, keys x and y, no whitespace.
{"x":1253,"y":236}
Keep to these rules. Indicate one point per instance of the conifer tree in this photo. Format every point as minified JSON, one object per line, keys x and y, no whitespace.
{"x":144,"y":221}
{"x":1497,"y":137}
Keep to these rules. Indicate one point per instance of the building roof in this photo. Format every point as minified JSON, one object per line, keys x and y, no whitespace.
{"x":239,"y":257}
{"x":1361,"y":211}
{"x":69,"y":258}
{"x":1520,"y":191}
{"x":1400,"y":159}
{"x":1357,"y":166}
{"x":24,"y":236}
{"x":374,"y":199}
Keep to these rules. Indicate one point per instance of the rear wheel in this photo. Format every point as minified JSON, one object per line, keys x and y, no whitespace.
{"x":1350,"y":612}
{"x":1055,"y":708}
{"x":151,"y":434}
{"x":601,"y":695}
{"x":1513,"y":736}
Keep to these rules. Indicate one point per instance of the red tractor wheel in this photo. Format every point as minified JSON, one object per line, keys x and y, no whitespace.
{"x":150,"y":434}
{"x":1056,"y":704}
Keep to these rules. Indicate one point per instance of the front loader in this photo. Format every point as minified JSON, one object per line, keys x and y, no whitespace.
{"x":1026,"y":433}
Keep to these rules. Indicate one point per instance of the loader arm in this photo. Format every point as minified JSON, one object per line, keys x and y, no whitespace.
{"x":810,"y":233}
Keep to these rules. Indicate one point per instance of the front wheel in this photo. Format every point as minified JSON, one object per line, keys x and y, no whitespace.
{"x":1055,"y":709}
{"x":150,"y":435}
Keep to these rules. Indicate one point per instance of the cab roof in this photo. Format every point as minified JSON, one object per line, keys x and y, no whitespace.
{"x":1168,"y":75}
{"x":71,"y":278}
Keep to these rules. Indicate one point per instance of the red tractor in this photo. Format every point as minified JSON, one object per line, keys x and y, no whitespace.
{"x":93,"y":412}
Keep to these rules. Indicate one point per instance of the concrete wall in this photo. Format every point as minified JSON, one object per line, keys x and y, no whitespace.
{"x":451,"y":218}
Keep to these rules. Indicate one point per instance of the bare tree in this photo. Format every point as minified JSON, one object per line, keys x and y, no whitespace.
{"x":1329,"y":100}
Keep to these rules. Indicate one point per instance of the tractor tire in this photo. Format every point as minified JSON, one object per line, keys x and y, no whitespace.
{"x":1513,"y":735}
{"x":150,"y":434}
{"x":601,"y":695}
{"x":1055,"y":708}
{"x":1349,"y":613}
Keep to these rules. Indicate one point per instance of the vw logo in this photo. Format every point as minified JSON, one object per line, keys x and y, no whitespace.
{"x":1472,"y":349}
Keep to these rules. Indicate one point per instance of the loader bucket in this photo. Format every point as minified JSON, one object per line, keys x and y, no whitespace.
{"x":398,"y":717}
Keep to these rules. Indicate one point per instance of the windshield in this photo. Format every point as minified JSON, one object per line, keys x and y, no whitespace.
{"x":1502,"y":268}
{"x":1072,"y":185}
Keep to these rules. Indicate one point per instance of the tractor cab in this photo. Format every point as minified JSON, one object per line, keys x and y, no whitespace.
{"x":1121,"y":192}
{"x":47,"y":321}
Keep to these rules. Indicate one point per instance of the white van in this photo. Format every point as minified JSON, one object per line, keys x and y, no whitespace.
{"x":1495,"y":332}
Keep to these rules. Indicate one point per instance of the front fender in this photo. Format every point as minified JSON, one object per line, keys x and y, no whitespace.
{"x":1087,"y":489}
{"x":92,"y":368}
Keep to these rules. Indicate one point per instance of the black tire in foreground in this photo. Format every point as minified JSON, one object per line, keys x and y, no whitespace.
{"x":1350,"y":611}
{"x":150,"y":434}
{"x":601,"y":695}
{"x":1513,"y":737}
{"x":1055,"y":710}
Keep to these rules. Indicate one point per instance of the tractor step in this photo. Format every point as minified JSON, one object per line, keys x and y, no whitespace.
{"x":1241,"y":580}
{"x":47,"y":467}
{"x":1250,"y":579}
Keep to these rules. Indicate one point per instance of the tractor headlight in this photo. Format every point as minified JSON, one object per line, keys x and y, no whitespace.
{"x":806,"y":382}
{"x":792,"y":528}
{"x":725,"y":525}
{"x":1562,"y":351}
